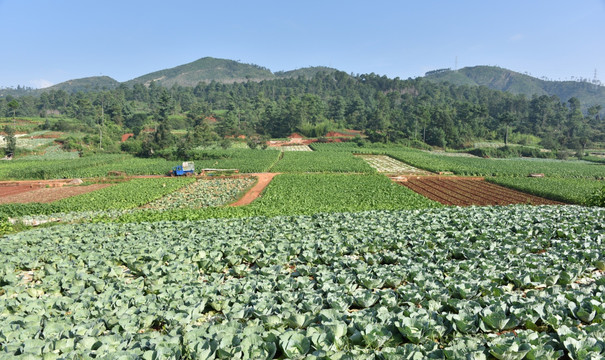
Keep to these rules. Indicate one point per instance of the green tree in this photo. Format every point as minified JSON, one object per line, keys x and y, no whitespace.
{"x":13,"y":105}
{"x":508,"y":118}
{"x":11,"y":140}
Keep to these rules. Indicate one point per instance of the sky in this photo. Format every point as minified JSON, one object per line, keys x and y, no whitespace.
{"x":45,"y":42}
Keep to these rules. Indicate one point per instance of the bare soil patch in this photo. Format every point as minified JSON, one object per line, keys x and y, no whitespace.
{"x":263,"y":180}
{"x":470,"y":191}
{"x":28,"y":194}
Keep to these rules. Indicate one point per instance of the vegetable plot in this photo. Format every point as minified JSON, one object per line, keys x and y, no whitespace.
{"x":466,"y":192}
{"x":451,"y":283}
{"x":573,"y":191}
{"x":125,"y":195}
{"x":386,"y":164}
{"x":203,"y":193}
{"x":300,"y":161}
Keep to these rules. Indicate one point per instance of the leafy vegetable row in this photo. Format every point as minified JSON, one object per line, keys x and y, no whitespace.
{"x":321,"y":162}
{"x":124,"y":195}
{"x":504,"y":282}
{"x":290,"y":194}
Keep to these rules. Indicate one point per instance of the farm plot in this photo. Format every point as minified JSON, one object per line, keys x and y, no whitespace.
{"x":295,"y":148}
{"x":203,"y":193}
{"x":449,"y":283}
{"x":321,"y":162}
{"x":466,"y":192}
{"x":386,"y":164}
{"x":125,"y":195}
{"x":28,"y":194}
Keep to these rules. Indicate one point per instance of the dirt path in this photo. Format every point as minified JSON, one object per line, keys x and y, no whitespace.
{"x":263,"y":180}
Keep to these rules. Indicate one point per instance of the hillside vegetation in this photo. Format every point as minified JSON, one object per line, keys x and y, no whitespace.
{"x":206,"y":69}
{"x":507,"y":80}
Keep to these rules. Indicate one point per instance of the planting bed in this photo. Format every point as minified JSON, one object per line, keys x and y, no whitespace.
{"x":295,"y":148}
{"x":28,"y":194}
{"x":470,"y":191}
{"x":449,"y":283}
{"x":203,"y":193}
{"x":386,"y":164}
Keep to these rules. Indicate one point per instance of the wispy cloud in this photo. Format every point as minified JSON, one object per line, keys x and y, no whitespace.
{"x":40,"y":83}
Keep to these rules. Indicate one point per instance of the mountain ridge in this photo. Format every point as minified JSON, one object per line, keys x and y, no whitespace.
{"x":208,"y":69}
{"x":497,"y":78}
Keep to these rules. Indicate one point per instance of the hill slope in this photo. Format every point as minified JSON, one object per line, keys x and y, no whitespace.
{"x":306,"y":73}
{"x":93,"y":83}
{"x":507,"y":80}
{"x":205,"y":69}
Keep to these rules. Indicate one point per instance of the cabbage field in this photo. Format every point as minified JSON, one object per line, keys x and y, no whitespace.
{"x":333,"y":261}
{"x":414,"y":284}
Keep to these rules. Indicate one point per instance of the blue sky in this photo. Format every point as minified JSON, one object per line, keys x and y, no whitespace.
{"x":46,"y":42}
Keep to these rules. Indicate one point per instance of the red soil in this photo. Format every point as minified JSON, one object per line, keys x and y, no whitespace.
{"x":26,"y":193}
{"x":337,"y":134}
{"x":263,"y":180}
{"x":470,"y":191}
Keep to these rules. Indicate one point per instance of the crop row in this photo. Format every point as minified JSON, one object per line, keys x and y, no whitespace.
{"x":125,"y":195}
{"x":465,"y":192}
{"x":246,"y":161}
{"x":100,"y":165}
{"x":573,"y":191}
{"x":321,"y":162}
{"x":203,"y":193}
{"x":292,"y":194}
{"x":93,"y":166}
{"x":435,"y":283}
{"x":518,"y":167}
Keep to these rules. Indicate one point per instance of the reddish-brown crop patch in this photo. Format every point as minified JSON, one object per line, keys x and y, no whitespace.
{"x":470,"y":191}
{"x":27,"y":193}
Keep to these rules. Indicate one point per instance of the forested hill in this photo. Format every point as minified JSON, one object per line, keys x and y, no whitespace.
{"x":501,"y":79}
{"x":206,"y":69}
{"x":94,"y":83}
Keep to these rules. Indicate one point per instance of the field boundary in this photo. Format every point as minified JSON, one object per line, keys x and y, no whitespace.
{"x":263,"y":180}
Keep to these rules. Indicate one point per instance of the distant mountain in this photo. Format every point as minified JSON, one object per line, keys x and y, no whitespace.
{"x":306,"y":73}
{"x":94,"y":83}
{"x":206,"y":70}
{"x":507,"y":80}
{"x":209,"y":69}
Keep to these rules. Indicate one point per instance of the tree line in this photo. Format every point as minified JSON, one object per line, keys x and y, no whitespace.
{"x":388,"y":110}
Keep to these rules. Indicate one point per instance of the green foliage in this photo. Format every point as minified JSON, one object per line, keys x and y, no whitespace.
{"x":291,"y":194}
{"x":423,"y":284}
{"x":300,"y":161}
{"x":246,"y":161}
{"x":512,"y":152}
{"x":203,"y":193}
{"x":5,"y":226}
{"x":125,"y":195}
{"x":568,"y":190}
{"x":87,"y":84}
{"x":597,"y":198}
{"x":518,"y":167}
{"x":507,"y":80}
{"x":10,"y":140}
{"x":312,"y":193}
{"x":205,"y":69}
